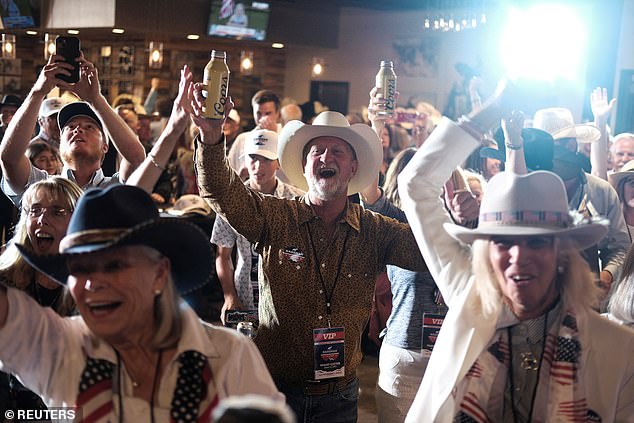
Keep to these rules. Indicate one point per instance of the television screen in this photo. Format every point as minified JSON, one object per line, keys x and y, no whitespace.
{"x":243,"y":20}
{"x":16,"y":14}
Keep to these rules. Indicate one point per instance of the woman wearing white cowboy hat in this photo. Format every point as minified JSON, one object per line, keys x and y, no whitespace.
{"x":135,"y":353}
{"x":521,"y":341}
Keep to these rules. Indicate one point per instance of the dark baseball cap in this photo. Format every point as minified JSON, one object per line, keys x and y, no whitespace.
{"x":11,"y":100}
{"x":78,"y":108}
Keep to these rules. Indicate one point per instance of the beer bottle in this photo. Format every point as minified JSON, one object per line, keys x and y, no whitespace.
{"x":386,"y":83}
{"x":216,"y":81}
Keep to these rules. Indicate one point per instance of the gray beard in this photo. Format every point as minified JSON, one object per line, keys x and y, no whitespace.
{"x":326,"y":193}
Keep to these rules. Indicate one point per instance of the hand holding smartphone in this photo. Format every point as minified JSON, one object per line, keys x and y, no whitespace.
{"x":69,"y":49}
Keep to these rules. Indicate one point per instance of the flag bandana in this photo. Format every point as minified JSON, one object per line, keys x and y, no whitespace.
{"x":193,"y":401}
{"x":560,"y":394}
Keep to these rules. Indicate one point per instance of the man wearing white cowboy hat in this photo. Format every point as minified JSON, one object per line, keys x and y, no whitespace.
{"x":587,"y":194}
{"x":521,"y":341}
{"x":241,"y":288}
{"x":320,"y":255}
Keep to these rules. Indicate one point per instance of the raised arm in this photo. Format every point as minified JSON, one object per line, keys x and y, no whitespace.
{"x":148,"y":172}
{"x":420,"y":186}
{"x":150,"y":100}
{"x":218,"y":184}
{"x":15,"y":165}
{"x":514,"y":143}
{"x":601,"y":109}
{"x":372,"y":193}
{"x":124,"y":139}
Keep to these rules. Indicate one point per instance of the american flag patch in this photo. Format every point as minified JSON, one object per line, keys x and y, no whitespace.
{"x":94,"y":401}
{"x":473,"y":412}
{"x":573,"y":411}
{"x":566,"y":358}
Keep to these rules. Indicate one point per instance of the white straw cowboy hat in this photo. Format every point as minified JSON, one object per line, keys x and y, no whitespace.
{"x":625,"y":172}
{"x":364,"y":141}
{"x":559,"y":123}
{"x":533,"y":204}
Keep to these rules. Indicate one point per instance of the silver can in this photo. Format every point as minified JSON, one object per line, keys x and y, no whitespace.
{"x":386,"y":83}
{"x":246,"y":328}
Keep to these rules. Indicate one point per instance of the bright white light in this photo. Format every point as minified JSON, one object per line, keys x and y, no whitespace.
{"x":246,"y":64}
{"x":544,"y":42}
{"x":317,"y":69}
{"x":193,"y":36}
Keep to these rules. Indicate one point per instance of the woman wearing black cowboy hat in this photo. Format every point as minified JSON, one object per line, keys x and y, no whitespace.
{"x":136,"y":352}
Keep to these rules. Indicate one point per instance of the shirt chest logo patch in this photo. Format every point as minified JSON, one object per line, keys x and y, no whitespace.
{"x":292,"y":254}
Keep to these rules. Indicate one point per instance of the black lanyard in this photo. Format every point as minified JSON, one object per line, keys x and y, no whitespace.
{"x":328,"y":295}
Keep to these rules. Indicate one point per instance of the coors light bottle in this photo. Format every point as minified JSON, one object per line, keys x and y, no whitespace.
{"x":216,"y":80}
{"x":386,"y":83}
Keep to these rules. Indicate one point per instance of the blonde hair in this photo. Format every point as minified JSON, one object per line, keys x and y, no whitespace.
{"x":15,"y":271}
{"x":621,"y":304}
{"x":575,"y":281}
{"x":390,"y":185}
{"x":168,"y":319}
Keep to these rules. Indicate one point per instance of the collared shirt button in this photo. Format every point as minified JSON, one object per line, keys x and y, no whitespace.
{"x":319,"y":317}
{"x":365,"y":275}
{"x":323,"y":265}
{"x":321,"y":291}
{"x":321,"y":239}
{"x":349,"y":275}
{"x":298,"y":267}
{"x":280,"y":261}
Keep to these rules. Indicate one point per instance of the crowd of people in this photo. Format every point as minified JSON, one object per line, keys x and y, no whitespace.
{"x":502,"y":241}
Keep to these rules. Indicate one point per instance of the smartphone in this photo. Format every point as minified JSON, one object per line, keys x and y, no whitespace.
{"x":69,"y":49}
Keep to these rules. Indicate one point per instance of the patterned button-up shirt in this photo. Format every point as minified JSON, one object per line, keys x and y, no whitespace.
{"x":294,"y":246}
{"x":224,"y":235}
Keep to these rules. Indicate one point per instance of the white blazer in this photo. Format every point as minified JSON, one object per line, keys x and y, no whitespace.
{"x":608,"y":349}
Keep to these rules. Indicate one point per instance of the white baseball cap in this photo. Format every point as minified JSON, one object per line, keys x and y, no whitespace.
{"x":234,"y":116}
{"x":50,"y":106}
{"x":262,"y":142}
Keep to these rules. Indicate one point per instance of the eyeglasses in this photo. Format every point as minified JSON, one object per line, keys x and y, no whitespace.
{"x":53,"y":211}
